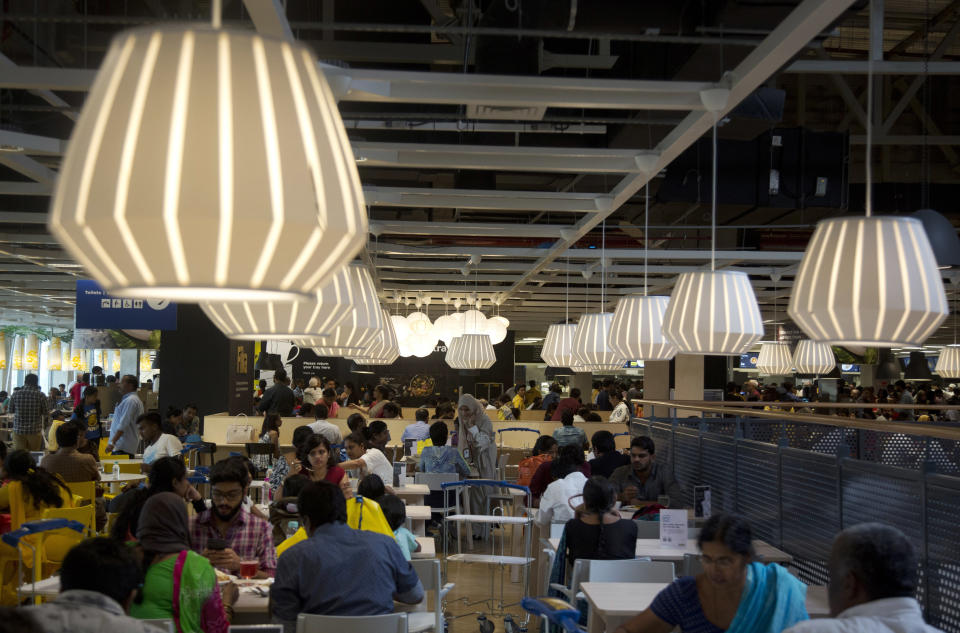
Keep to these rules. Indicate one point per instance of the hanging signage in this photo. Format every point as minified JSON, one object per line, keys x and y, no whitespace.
{"x":96,"y":310}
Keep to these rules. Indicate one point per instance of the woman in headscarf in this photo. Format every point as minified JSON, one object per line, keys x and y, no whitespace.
{"x":176,"y":575}
{"x":476,"y":434}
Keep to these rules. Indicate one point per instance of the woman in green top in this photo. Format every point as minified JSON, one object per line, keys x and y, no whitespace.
{"x":180,"y":585}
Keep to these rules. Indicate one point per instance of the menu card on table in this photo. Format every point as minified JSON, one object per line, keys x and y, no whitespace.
{"x":673,"y":528}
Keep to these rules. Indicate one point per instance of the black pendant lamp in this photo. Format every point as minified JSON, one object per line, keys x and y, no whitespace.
{"x":887,"y":368}
{"x":918,"y":369}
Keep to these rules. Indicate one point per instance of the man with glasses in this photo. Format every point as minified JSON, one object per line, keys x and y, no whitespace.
{"x":227,"y":533}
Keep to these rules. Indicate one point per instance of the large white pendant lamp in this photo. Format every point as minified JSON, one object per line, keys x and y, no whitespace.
{"x":636,"y":331}
{"x":948,"y":363}
{"x":869,"y":280}
{"x":209,"y":164}
{"x":590,"y":346}
{"x":66,"y":358}
{"x":3,"y":350}
{"x":471,"y":351}
{"x":814,"y":358}
{"x":384,"y":349}
{"x":55,"y":353}
{"x":715,"y":311}
{"x":775,"y":358}
{"x":558,"y":345}
{"x":361,"y":325}
{"x":496,"y":329}
{"x":17,"y":360}
{"x":284,"y":320}
{"x":422,"y":339}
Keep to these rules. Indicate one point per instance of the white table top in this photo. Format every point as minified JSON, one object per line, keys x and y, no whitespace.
{"x":109,"y":477}
{"x":418,"y":513}
{"x":621,"y":598}
{"x":412,"y":489}
{"x":115,"y":460}
{"x":630,"y":598}
{"x":651,"y":547}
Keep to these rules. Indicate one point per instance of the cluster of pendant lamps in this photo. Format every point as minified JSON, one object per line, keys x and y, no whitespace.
{"x":173,"y":108}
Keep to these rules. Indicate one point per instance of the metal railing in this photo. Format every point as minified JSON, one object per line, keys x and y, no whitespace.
{"x":800,"y":482}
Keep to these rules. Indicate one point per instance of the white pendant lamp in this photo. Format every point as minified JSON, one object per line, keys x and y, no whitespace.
{"x":558,"y":345}
{"x":496,"y":329}
{"x":814,"y":358}
{"x":209,"y":164}
{"x":17,"y":361}
{"x":590,"y":346}
{"x":715,"y":311}
{"x":422,"y":339}
{"x":66,"y":358}
{"x":636,"y":331}
{"x":3,"y":350}
{"x":948,"y":363}
{"x":55,"y":353}
{"x":384,"y":349}
{"x":869,"y":280}
{"x":775,"y":359}
{"x":284,"y":320}
{"x":363,"y":322}
{"x":471,"y":351}
{"x":400,"y":327}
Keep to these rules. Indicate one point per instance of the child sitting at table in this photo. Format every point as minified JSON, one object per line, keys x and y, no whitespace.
{"x":396,"y":513}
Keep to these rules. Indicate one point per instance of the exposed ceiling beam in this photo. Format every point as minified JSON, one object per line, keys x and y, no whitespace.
{"x":861,"y":67}
{"x":783,"y":43}
{"x":906,"y":139}
{"x":29,"y":168}
{"x":14,"y":188}
{"x":23,"y":217}
{"x":46,"y":95}
{"x":46,"y":78}
{"x":385,"y":86}
{"x":487,"y":229}
{"x":498,"y":157}
{"x":491,"y":199}
{"x":270,"y":18}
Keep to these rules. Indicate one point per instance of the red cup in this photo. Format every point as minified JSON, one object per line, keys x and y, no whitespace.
{"x":249,"y":568}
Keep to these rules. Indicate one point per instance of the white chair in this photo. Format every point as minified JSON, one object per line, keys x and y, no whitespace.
{"x":692,"y":565}
{"x":433,"y":480}
{"x":556,"y":529}
{"x":648,"y":529}
{"x":429,"y":573}
{"x":633,"y":570}
{"x":387,"y":623}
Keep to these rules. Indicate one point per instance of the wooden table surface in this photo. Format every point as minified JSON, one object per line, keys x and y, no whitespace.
{"x":651,"y":547}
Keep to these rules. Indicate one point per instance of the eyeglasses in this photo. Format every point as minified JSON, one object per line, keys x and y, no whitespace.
{"x":723,"y":562}
{"x":219,"y":495}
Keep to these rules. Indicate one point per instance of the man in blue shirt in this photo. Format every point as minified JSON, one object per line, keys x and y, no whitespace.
{"x":419,"y":430}
{"x":123,"y":429}
{"x":552,"y":396}
{"x":339,"y":570}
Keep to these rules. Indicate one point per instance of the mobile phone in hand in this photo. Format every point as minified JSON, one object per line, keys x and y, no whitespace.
{"x":216,"y":544}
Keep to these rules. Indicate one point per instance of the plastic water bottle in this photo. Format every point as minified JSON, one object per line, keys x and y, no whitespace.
{"x":116,"y":470}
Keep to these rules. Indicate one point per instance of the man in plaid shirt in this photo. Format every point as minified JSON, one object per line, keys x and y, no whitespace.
{"x":247,"y":536}
{"x":30,"y":409}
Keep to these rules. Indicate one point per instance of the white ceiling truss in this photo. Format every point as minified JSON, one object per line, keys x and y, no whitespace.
{"x":521,"y":196}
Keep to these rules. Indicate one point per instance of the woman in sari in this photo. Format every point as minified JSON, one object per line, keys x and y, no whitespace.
{"x":476,"y":435}
{"x":179,"y":584}
{"x":733,"y":593}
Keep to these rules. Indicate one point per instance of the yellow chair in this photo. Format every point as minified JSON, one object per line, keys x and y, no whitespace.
{"x":57,"y":543}
{"x":86,"y":490}
{"x":130,"y":469}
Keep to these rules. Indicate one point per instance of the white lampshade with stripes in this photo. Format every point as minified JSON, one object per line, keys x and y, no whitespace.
{"x":713,"y":312}
{"x":3,"y":350}
{"x":636,"y":332}
{"x":948,"y":363}
{"x":209,"y":165}
{"x":471,"y":351}
{"x":284,"y":320}
{"x":558,"y":345}
{"x":384,"y":349}
{"x":812,"y":357}
{"x":361,"y":325}
{"x":55,"y":355}
{"x":869,"y":281}
{"x":775,"y":358}
{"x":590,"y":343}
{"x":17,"y":361}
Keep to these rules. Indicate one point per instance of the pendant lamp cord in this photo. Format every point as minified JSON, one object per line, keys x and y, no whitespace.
{"x":603,"y":265}
{"x":646,"y":233}
{"x":713,"y":202}
{"x":869,"y":149}
{"x":216,"y":13}
{"x":567,"y":303}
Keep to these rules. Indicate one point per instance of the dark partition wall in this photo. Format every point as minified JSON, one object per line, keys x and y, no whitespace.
{"x":194,"y":363}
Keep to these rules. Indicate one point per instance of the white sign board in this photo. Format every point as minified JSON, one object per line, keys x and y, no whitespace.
{"x":673,"y":528}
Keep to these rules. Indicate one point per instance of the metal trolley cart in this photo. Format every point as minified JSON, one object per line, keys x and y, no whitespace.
{"x":457,"y":513}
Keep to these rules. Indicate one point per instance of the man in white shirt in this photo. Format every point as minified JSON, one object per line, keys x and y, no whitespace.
{"x":420,"y":430}
{"x":156,"y":443}
{"x":873,"y":578}
{"x":322,"y":427}
{"x":123,"y":428}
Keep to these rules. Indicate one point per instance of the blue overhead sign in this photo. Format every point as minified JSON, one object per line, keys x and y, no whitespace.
{"x":96,"y":310}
